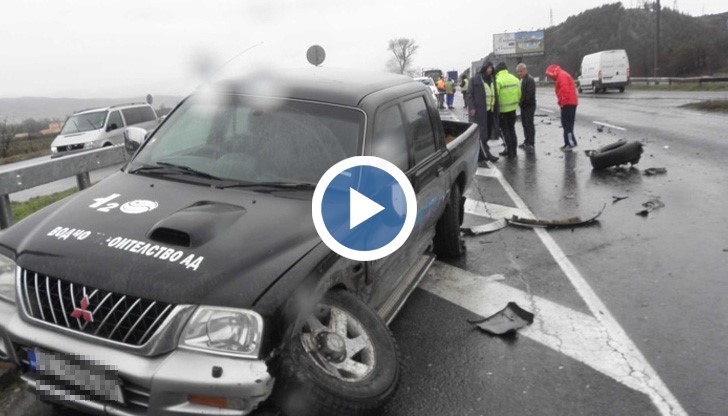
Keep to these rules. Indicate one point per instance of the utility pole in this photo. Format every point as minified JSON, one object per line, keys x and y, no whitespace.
{"x":551,"y":16}
{"x":657,"y":39}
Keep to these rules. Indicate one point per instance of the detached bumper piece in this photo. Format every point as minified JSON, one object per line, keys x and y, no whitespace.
{"x":506,"y":321}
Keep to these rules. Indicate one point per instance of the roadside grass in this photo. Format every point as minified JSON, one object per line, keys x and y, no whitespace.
{"x":25,"y":156}
{"x":716,"y":106}
{"x":25,"y":208}
{"x":27,"y":148}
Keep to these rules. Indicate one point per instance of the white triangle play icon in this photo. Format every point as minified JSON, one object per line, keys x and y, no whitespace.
{"x":361,"y":208}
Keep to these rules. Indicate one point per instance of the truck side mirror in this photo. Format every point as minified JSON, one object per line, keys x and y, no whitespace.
{"x":133,"y":139}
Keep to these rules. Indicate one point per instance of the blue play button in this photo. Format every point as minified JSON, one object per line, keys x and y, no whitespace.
{"x":364,"y":208}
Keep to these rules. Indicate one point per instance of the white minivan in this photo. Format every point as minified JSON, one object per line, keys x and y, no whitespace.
{"x":603,"y":70}
{"x":100,"y":127}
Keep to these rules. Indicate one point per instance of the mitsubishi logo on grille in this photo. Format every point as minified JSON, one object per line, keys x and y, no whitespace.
{"x":83,"y":312}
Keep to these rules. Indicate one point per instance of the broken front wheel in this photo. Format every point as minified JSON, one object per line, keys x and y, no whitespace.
{"x":342,"y":362}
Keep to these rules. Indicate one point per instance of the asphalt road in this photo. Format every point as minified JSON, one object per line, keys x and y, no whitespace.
{"x":630,"y":312}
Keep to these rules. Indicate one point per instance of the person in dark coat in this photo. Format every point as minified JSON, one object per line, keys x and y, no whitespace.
{"x":528,"y":107}
{"x":477,"y":100}
{"x":492,"y":100}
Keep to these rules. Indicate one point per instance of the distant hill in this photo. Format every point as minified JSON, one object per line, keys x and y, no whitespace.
{"x":18,"y":109}
{"x":689,"y":46}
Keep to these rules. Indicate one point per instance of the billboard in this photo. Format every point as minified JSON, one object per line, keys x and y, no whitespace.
{"x":518,"y":44}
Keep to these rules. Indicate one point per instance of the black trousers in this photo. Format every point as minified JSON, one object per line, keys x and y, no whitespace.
{"x":568,"y":117}
{"x":508,"y":127}
{"x":529,"y":130}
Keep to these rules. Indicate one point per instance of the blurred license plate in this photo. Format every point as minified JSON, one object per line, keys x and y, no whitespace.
{"x":74,"y":376}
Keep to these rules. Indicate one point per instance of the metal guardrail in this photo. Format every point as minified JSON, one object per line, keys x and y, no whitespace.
{"x":51,"y":170}
{"x":671,"y":80}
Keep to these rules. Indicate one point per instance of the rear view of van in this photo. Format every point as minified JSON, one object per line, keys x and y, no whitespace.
{"x":101,"y":127}
{"x":604,"y":70}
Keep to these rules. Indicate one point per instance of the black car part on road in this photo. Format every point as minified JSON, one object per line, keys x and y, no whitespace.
{"x":615,"y":154}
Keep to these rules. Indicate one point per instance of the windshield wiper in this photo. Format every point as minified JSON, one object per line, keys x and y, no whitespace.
{"x":166,"y":167}
{"x":276,"y":185}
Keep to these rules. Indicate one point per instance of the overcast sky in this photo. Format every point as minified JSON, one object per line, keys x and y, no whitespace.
{"x":124,"y":48}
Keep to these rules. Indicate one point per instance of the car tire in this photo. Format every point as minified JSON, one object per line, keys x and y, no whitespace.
{"x":617,"y":153}
{"x":621,"y":89}
{"x":314,"y":381}
{"x":447,"y":241}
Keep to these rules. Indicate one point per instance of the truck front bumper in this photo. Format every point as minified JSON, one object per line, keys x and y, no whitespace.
{"x":162,"y":385}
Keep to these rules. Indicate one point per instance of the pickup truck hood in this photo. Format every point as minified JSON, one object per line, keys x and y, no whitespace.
{"x":169,"y":241}
{"x":74,"y":138}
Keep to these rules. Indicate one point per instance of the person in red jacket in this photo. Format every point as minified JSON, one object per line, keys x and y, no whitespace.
{"x":567,"y":100}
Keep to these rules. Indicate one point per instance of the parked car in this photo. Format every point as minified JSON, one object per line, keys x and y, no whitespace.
{"x":193,"y":281}
{"x":430,"y":84}
{"x":604,"y":70}
{"x":100,"y":127}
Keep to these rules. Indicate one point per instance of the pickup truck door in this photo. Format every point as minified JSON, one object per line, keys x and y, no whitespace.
{"x":403,"y":134}
{"x":430,"y":160}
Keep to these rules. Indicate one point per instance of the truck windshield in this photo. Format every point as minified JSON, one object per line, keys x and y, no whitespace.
{"x":255,"y":140}
{"x":78,"y":123}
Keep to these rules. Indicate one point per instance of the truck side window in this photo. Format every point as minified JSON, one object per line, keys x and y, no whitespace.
{"x":389,"y":141}
{"x":420,"y":128}
{"x":115,"y":121}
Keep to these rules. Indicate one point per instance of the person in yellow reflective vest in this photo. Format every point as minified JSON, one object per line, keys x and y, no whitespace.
{"x":490,"y":100}
{"x":508,"y":89}
{"x":477,"y":98}
{"x":464,"y":89}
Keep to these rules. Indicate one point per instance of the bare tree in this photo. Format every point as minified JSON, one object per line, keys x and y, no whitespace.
{"x":7,"y":133}
{"x":403,"y":50}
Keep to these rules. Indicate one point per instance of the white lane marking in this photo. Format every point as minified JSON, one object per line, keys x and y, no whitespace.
{"x":545,"y":110}
{"x":611,"y":126}
{"x":495,"y":211}
{"x":487,"y":172}
{"x":562,"y":329}
{"x":650,"y":382}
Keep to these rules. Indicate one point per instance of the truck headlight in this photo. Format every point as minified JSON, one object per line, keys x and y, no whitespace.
{"x":228,"y":331}
{"x":91,"y":145}
{"x":7,"y":279}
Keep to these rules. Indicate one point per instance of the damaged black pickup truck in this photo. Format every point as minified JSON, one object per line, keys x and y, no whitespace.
{"x":193,"y":280}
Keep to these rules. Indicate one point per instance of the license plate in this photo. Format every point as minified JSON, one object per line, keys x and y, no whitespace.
{"x":77,"y":377}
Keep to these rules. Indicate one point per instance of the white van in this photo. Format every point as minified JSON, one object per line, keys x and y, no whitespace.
{"x":603,"y":70}
{"x":101,"y":127}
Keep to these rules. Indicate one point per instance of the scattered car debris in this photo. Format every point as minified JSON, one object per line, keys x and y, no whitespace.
{"x":651,"y":205}
{"x":654,"y":171}
{"x":486,"y":228}
{"x":600,"y":129}
{"x":560,"y":223}
{"x":616,"y":199}
{"x":505,"y":321}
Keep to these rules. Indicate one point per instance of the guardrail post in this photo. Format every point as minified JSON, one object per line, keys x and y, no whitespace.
{"x":6,"y":212}
{"x":83,"y":180}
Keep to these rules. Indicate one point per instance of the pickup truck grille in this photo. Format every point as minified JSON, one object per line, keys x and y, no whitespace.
{"x":112,"y":316}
